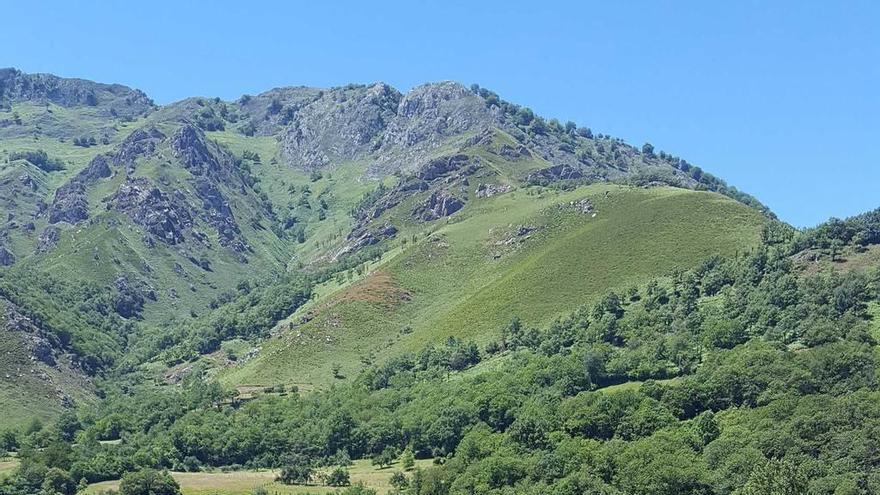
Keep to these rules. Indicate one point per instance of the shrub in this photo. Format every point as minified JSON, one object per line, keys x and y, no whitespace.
{"x":148,"y":482}
{"x":338,"y":477}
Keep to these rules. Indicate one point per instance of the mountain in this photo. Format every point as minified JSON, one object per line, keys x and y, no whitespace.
{"x":313,"y":280}
{"x":172,"y":211}
{"x":168,"y":212}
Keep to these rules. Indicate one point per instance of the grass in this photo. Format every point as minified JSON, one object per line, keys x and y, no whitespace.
{"x":7,"y":466}
{"x":634,"y":385}
{"x":459,"y":282}
{"x":850,"y":260}
{"x":244,"y":482}
{"x":28,"y":388}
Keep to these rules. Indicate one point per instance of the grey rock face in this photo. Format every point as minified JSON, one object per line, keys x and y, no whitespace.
{"x":271,"y":111}
{"x":141,"y":142}
{"x":442,"y":166}
{"x":162,"y":215}
{"x":554,"y":173}
{"x":190,"y":147}
{"x":217,"y":212}
{"x":431,"y":112}
{"x":489,"y":190}
{"x":426,"y":118}
{"x":438,"y":205}
{"x":6,"y":257}
{"x":70,"y":203}
{"x":109,"y":99}
{"x":38,"y":343}
{"x":342,"y":124}
{"x":99,"y":168}
{"x":363,"y":237}
{"x":48,"y":239}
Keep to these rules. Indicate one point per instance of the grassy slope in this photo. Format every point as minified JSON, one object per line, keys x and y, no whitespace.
{"x":28,"y":389}
{"x":453,"y":283}
{"x":244,"y":482}
{"x":7,"y":466}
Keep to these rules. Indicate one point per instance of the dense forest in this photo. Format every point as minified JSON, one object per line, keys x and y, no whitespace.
{"x":745,"y":375}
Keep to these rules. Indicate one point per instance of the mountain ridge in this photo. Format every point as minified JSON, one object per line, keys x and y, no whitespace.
{"x":168,"y":211}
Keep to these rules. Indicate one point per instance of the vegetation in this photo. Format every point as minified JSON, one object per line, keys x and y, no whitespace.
{"x":287,"y":329}
{"x":39,"y":159}
{"x":463,"y":280}
{"x":773,"y":376}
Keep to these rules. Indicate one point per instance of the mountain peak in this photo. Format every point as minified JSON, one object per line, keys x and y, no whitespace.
{"x":109,"y":99}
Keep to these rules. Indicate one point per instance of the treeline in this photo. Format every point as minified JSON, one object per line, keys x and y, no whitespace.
{"x":569,"y":134}
{"x":249,"y":312}
{"x":741,"y":376}
{"x":39,"y":159}
{"x":78,"y":317}
{"x":860,"y":231}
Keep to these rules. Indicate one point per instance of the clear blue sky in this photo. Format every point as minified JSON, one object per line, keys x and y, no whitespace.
{"x":778,"y":98}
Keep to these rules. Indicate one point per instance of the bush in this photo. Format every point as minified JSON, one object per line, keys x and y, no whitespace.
{"x":148,"y":482}
{"x":338,"y":477}
{"x":39,"y":159}
{"x":295,"y":474}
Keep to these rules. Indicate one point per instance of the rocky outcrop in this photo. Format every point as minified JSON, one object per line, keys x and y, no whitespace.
{"x":111,"y":100}
{"x":189,"y":145}
{"x":514,"y":153}
{"x":99,"y":168}
{"x":71,"y":203}
{"x":431,"y":112}
{"x":217,"y":212}
{"x":427,"y":117}
{"x":48,"y":239}
{"x":361,"y":238}
{"x":271,"y":111}
{"x":438,"y":205}
{"x":445,"y":166}
{"x":6,"y":257}
{"x":339,"y":125}
{"x":164,"y":216}
{"x":41,"y":346}
{"x":489,"y":190}
{"x":581,"y":206}
{"x":140,"y":143}
{"x":554,"y":173}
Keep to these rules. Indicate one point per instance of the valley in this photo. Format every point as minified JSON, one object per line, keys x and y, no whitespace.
{"x":360,"y":290}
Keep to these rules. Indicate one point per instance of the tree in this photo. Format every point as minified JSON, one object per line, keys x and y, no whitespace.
{"x":295,"y":474}
{"x":706,"y":427}
{"x":338,"y":477}
{"x":775,"y":477}
{"x":835,"y":247}
{"x":538,"y":126}
{"x":407,"y":459}
{"x":648,"y":149}
{"x":524,"y":116}
{"x":385,"y":458}
{"x":399,"y":481}
{"x":358,"y":489}
{"x":148,"y":482}
{"x":67,"y":425}
{"x":58,"y":482}
{"x":8,"y":441}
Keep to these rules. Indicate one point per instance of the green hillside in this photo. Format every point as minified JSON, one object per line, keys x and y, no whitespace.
{"x":467,"y":277}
